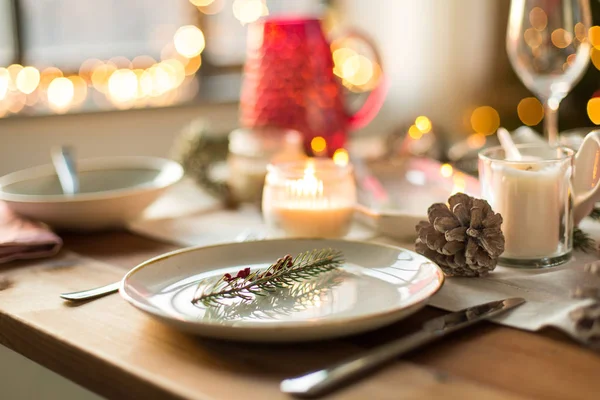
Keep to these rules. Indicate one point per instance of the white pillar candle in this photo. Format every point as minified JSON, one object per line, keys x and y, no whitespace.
{"x":532,"y":201}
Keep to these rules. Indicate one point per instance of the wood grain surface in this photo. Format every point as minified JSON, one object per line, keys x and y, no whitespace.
{"x":109,"y":347}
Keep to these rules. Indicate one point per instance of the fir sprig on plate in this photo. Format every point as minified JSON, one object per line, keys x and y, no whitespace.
{"x":298,"y":297}
{"x":285,"y":272}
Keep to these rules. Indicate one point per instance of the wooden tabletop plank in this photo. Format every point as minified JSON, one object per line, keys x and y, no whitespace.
{"x":116,"y":351}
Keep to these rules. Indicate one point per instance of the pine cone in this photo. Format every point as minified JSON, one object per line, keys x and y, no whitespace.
{"x":587,"y":324}
{"x":465,"y":239}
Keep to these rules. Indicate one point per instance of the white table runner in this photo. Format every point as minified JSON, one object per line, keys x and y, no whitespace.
{"x":187,"y":217}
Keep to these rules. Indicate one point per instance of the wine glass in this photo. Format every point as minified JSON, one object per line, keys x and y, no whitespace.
{"x":549,"y":50}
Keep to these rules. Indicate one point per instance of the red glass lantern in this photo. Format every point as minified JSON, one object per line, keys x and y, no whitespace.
{"x":289,"y":83}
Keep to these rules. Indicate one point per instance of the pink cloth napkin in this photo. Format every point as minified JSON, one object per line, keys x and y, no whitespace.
{"x":24,"y":239}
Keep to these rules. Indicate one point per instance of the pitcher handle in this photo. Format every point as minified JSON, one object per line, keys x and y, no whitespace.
{"x":376,"y":98}
{"x":586,"y":181}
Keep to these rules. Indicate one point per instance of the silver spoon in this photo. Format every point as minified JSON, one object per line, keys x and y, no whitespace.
{"x":64,"y":164}
{"x":90,"y":294}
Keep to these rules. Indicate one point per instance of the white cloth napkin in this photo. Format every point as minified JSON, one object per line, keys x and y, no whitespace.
{"x":547,"y":291}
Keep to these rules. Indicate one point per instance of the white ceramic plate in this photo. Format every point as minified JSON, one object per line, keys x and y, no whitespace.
{"x":377,"y":285}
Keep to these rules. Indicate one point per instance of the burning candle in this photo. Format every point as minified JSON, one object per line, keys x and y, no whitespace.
{"x":314,"y":198}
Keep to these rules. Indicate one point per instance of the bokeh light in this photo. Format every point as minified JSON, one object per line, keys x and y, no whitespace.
{"x":123,"y":86}
{"x":193,"y":65}
{"x":60,"y":93}
{"x":13,"y":71}
{"x":561,"y":38}
{"x":248,"y":11}
{"x":202,"y":3}
{"x":357,"y":70}
{"x":476,"y":140}
{"x":100,"y":77}
{"x":530,"y":111}
{"x":189,"y":41}
{"x":446,"y":170}
{"x":48,"y":75}
{"x":594,"y":36}
{"x":318,"y":145}
{"x":340,"y":157}
{"x":580,"y":31}
{"x":79,"y":89}
{"x":28,"y":80}
{"x":538,"y":18}
{"x":593,"y":110}
{"x":423,"y":123}
{"x":532,"y":37}
{"x":595,"y":57}
{"x":485,"y":120}
{"x":4,"y":81}
{"x":414,"y":132}
{"x":87,"y":68}
{"x":215,"y":7}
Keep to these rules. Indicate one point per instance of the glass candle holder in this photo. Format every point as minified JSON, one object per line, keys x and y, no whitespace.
{"x":534,"y":198}
{"x":313,"y":198}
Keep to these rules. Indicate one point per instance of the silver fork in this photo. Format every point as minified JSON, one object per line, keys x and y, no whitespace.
{"x":91,"y":294}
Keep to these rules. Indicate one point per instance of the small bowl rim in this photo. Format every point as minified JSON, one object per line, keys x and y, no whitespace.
{"x":174,"y":174}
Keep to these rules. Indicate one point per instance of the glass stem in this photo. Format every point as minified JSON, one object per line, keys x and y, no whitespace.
{"x":551,"y":124}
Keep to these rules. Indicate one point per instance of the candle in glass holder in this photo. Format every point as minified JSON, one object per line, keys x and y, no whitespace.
{"x":533,"y":196}
{"x":315,"y":198}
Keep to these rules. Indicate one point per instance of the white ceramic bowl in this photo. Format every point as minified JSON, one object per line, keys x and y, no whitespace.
{"x":113,"y":191}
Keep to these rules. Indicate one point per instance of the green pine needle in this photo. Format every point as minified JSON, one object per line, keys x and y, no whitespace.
{"x":285,"y":272}
{"x":595,"y":214}
{"x":582,"y":241}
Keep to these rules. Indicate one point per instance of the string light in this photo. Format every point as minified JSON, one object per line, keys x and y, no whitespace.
{"x":4,"y":80}
{"x":248,"y":11}
{"x":60,"y":93}
{"x":189,"y":41}
{"x":28,"y":80}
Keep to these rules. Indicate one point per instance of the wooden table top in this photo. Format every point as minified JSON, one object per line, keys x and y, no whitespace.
{"x":116,"y":351}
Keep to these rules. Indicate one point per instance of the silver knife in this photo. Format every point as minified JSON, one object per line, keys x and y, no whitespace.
{"x":320,"y":382}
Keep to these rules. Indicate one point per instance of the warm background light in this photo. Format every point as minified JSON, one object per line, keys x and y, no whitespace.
{"x":189,"y":41}
{"x":446,"y":170}
{"x":594,"y":36}
{"x":123,"y":86}
{"x":532,"y":37}
{"x":248,"y":11}
{"x":201,"y":3}
{"x":414,"y":132}
{"x":4,"y":80}
{"x":476,"y":140}
{"x":340,"y":157}
{"x":561,"y":38}
{"x":593,"y":110}
{"x":318,"y":145}
{"x":28,"y":80}
{"x":485,"y":120}
{"x":538,"y":18}
{"x":60,"y":93}
{"x":530,"y":111}
{"x":423,"y":124}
